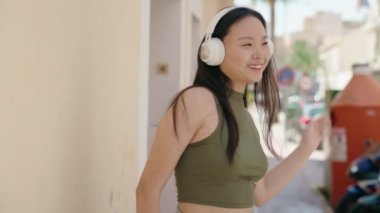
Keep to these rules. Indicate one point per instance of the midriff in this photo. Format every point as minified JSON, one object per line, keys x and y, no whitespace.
{"x":198,"y":208}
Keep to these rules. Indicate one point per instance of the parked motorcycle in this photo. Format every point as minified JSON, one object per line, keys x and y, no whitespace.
{"x":367,"y":204}
{"x":365,"y":170}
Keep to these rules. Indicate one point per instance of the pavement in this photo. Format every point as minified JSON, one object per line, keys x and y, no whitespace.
{"x":301,"y":194}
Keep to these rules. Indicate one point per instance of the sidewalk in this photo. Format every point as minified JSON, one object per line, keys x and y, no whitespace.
{"x":301,"y":194}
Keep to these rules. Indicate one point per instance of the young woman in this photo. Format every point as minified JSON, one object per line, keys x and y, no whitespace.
{"x":208,"y":137}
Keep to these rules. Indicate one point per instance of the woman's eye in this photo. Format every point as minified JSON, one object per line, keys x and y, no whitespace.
{"x":247,"y":44}
{"x":265,"y":43}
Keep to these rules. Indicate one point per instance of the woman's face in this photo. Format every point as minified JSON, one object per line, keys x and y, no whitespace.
{"x":247,"y":52}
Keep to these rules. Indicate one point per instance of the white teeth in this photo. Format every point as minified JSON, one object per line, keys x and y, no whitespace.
{"x":253,"y":66}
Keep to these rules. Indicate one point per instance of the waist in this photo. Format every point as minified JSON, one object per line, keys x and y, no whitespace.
{"x":184,"y":207}
{"x":231,"y":194}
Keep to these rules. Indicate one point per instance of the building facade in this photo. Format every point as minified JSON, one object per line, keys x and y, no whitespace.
{"x":83,"y":84}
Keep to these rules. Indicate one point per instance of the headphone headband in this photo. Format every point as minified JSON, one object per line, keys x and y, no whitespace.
{"x":215,"y":20}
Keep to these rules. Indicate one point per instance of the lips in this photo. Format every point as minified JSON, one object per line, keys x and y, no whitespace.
{"x":255,"y":66}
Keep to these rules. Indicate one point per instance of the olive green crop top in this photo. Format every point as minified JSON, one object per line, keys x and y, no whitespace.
{"x":203,"y":173}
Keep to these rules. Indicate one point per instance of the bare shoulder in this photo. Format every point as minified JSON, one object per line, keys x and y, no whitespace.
{"x":198,"y":99}
{"x":198,"y":93}
{"x":196,"y":105}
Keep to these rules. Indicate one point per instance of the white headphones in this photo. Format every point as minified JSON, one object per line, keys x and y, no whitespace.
{"x":212,"y":49}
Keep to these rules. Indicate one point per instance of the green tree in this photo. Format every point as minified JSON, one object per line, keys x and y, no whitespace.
{"x":272,"y":6}
{"x":304,"y":57}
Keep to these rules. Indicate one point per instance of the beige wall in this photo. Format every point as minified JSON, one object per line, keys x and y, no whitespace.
{"x":165,"y":31}
{"x":70,"y":79}
{"x":191,"y":12}
{"x":339,"y":58}
{"x":211,"y":7}
{"x":202,"y":11}
{"x":363,"y":50}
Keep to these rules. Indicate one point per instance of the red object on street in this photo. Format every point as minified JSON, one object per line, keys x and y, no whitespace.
{"x":355,"y":112}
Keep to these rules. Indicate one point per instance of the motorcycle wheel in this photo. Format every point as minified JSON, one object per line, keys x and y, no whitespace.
{"x":358,"y":208}
{"x":345,"y":203}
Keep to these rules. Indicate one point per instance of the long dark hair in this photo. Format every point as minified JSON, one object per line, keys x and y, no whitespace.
{"x":212,"y":78}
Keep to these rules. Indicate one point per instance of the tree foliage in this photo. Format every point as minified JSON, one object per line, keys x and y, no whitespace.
{"x":272,"y":21}
{"x":304,"y":57}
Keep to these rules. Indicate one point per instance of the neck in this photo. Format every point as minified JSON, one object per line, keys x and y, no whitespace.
{"x":238,"y":87}
{"x":235,"y":97}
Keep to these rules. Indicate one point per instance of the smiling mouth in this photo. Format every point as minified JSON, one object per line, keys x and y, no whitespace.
{"x":255,"y":66}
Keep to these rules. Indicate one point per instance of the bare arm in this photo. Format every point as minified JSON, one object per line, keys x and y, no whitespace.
{"x":168,"y":147}
{"x":277,"y":178}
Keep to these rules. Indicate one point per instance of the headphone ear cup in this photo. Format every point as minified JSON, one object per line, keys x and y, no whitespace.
{"x":271,"y":47}
{"x":212,"y":52}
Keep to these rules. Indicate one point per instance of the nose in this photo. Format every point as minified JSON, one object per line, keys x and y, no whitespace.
{"x":258,"y":52}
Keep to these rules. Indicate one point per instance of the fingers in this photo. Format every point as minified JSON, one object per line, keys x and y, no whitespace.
{"x":323,"y":119}
{"x":320,"y":124}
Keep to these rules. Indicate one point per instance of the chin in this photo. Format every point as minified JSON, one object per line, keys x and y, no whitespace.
{"x":255,"y":79}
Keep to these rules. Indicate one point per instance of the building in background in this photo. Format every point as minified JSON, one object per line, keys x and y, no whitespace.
{"x":359,"y":43}
{"x":373,"y":25}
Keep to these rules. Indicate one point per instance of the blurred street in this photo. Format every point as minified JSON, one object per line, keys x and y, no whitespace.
{"x":302,"y":194}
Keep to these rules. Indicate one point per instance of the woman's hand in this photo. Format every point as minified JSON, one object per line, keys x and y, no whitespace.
{"x":277,"y":178}
{"x":314,"y":133}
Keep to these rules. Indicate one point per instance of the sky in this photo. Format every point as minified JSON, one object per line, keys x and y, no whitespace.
{"x":289,"y":17}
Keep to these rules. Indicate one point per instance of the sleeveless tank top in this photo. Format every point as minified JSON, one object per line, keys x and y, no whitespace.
{"x":204,"y":174}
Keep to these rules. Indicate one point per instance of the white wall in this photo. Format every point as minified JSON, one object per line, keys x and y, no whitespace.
{"x":165,"y":34}
{"x":164,"y":49}
{"x":44,"y":108}
{"x":71,"y":120}
{"x":357,"y":47}
{"x":196,"y":38}
{"x":192,"y":22}
{"x":332,"y":76}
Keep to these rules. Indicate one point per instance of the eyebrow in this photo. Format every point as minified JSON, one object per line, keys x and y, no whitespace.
{"x":251,"y":38}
